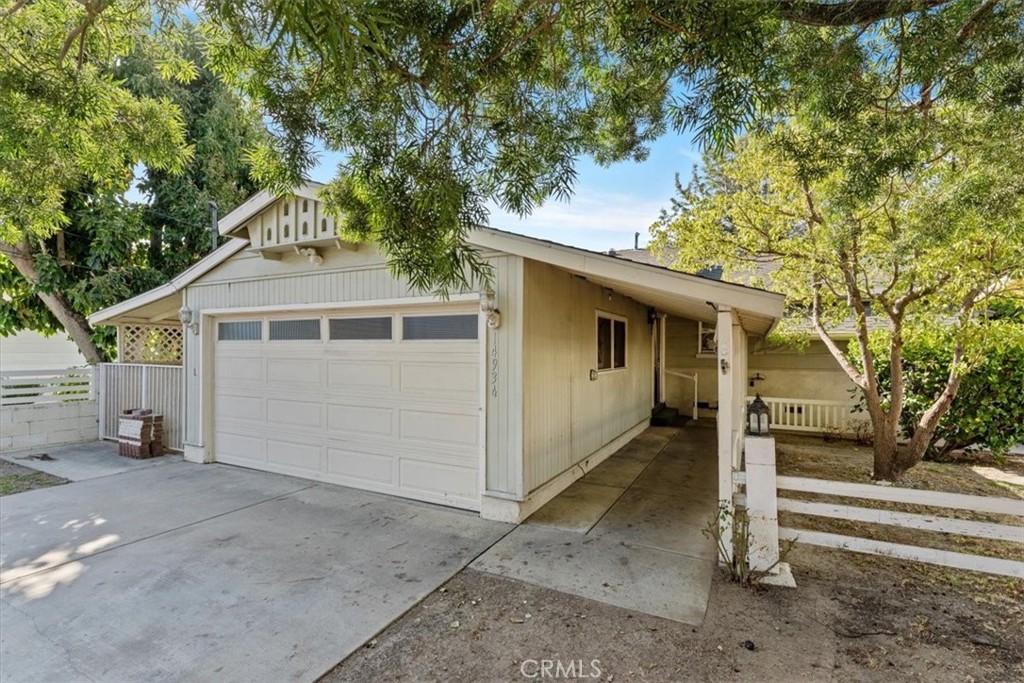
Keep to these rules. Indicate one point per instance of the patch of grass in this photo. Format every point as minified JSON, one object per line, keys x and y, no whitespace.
{"x":17,"y":479}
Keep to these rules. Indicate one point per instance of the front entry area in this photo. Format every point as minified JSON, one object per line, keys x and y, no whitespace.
{"x":630,"y":532}
{"x":386,"y":400}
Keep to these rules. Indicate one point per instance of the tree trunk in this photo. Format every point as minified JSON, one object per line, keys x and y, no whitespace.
{"x":74,"y":323}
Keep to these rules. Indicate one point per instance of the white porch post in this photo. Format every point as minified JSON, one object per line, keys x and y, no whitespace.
{"x":726,"y":424}
{"x":662,"y":346}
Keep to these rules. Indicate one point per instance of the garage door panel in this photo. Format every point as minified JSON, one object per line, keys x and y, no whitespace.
{"x":289,"y":412}
{"x":361,"y":420}
{"x":363,"y":374}
{"x":299,"y":457}
{"x":293,"y":371}
{"x":359,"y":466}
{"x":417,"y":475}
{"x":394,"y":416}
{"x":236,"y":407}
{"x":233,"y":370}
{"x":240,"y":449}
{"x":450,"y":378}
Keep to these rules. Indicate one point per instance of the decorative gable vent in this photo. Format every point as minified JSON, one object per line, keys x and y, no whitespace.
{"x":294,"y":224}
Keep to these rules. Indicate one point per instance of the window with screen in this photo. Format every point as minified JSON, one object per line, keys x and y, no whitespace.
{"x":295,"y":330}
{"x":240,"y":330}
{"x":454,"y":327}
{"x":360,"y":328}
{"x":611,"y":343}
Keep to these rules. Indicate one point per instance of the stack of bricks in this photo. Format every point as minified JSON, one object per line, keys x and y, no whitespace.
{"x":140,"y":434}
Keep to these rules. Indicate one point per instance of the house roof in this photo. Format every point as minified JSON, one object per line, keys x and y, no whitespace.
{"x":238,"y":216}
{"x":163,"y":302}
{"x":694,"y":296}
{"x":684,"y":294}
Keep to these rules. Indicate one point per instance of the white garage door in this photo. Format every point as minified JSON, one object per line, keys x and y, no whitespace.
{"x":382,"y":400}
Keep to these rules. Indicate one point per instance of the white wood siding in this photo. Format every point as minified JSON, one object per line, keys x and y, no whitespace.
{"x":566,"y":415}
{"x":504,"y":382}
{"x":249,"y":281}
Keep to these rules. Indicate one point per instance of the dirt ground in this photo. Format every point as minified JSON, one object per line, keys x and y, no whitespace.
{"x":17,"y":479}
{"x":845,"y":622}
{"x":852,"y":617}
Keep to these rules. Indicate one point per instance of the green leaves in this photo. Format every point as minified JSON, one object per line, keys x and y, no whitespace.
{"x":65,"y":120}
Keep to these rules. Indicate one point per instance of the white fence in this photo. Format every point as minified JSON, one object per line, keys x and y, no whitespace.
{"x":31,"y":387}
{"x":809,"y":415}
{"x":160,"y":388}
{"x":919,"y":522}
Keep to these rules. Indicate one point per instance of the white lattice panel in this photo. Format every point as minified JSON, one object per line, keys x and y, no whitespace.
{"x":156,"y":344}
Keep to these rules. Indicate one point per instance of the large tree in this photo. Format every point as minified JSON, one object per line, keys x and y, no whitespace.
{"x":68,"y":124}
{"x":920,"y":249}
{"x":443,"y":105}
{"x":95,"y":248}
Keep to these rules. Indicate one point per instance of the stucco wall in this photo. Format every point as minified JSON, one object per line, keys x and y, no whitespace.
{"x":48,"y":424}
{"x":811,"y":373}
{"x":566,"y":415}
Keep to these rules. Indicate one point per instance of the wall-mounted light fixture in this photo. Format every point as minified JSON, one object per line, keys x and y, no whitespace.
{"x":488,"y":306}
{"x":187,"y":319}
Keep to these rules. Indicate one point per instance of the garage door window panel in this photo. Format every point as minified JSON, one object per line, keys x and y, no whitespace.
{"x":377,"y":328}
{"x":440,"y":327}
{"x":295,"y":330}
{"x":240,"y":330}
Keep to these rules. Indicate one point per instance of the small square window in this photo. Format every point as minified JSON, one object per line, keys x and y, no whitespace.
{"x":295,"y":330}
{"x":240,"y":330}
{"x":360,"y":328}
{"x":611,"y":343}
{"x":707,"y":344}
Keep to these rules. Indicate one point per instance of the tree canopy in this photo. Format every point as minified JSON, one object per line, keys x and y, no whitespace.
{"x":92,"y":93}
{"x":441,"y":106}
{"x":919,"y":249}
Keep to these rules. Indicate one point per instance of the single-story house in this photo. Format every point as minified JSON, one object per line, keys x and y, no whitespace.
{"x":303,"y":355}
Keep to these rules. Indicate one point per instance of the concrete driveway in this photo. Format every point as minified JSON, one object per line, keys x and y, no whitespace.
{"x":209,"y":572}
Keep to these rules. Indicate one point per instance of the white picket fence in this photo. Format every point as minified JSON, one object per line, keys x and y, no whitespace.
{"x":809,"y":415}
{"x":31,"y":387}
{"x":920,"y":522}
{"x":160,"y":388}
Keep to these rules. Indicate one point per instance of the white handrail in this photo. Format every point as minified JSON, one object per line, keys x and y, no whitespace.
{"x":685,"y":375}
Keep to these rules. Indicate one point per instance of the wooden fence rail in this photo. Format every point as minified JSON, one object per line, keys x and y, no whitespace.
{"x":1013,"y":533}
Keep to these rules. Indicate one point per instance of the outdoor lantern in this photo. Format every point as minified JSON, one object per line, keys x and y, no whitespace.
{"x":758,"y":417}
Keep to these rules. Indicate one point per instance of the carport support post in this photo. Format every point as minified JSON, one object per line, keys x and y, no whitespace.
{"x":762,"y":503}
{"x":727,"y":434}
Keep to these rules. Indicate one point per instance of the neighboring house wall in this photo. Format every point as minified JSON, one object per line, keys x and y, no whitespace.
{"x":566,"y":415}
{"x":28,"y":350}
{"x":808,"y":374}
{"x":48,"y":424}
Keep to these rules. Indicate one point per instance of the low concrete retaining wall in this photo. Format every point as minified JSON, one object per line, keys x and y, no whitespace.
{"x":48,"y":424}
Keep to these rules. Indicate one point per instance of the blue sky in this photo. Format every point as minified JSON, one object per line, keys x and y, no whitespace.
{"x":609,"y":204}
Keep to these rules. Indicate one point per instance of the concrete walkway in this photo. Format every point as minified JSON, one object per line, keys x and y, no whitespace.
{"x":629,"y":533}
{"x":193,"y":572}
{"x":81,"y":461}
